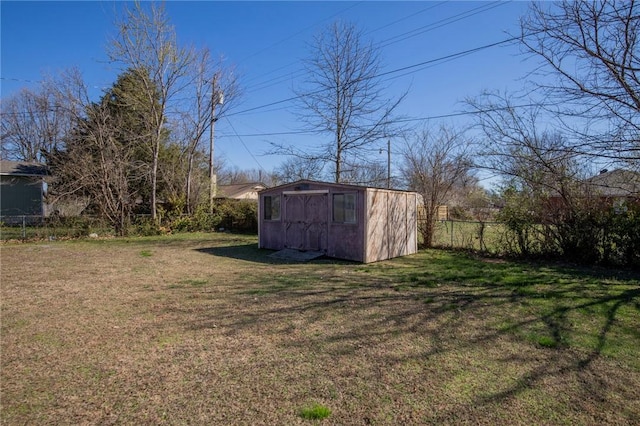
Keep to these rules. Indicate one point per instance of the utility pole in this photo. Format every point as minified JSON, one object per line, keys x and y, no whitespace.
{"x":216,"y":99}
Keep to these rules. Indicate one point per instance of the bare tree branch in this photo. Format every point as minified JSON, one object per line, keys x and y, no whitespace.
{"x":591,"y":50}
{"x":344,"y":97}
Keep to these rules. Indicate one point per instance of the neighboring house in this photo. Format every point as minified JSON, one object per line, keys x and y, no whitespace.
{"x":22,"y":189}
{"x":241,"y":191}
{"x":342,"y":221}
{"x":615,"y":185}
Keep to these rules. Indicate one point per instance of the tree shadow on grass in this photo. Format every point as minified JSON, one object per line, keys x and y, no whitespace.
{"x":455,"y":306}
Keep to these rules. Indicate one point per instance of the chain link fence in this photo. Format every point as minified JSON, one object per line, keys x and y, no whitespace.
{"x":456,"y":234}
{"x":234,"y":217}
{"x":469,"y":235}
{"x":24,"y":227}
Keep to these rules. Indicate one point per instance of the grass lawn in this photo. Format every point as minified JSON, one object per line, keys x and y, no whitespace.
{"x":206,"y":329}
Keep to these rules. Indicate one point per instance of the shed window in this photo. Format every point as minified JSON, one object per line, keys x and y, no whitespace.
{"x":344,"y":208}
{"x":271,"y":207}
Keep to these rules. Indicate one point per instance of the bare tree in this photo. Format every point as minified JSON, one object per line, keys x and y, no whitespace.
{"x":547,"y":207}
{"x":367,"y":173}
{"x":515,"y":147}
{"x":33,"y":123}
{"x":590,"y":52}
{"x":344,"y":96}
{"x":210,"y":80}
{"x":434,"y":163}
{"x":299,"y":168}
{"x":146,"y":43}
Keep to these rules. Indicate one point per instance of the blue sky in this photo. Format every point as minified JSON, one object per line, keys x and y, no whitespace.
{"x":266,"y":41}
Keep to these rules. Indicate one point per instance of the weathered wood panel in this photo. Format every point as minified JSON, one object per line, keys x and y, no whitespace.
{"x":391,"y":224}
{"x":317,"y":213}
{"x":293,"y":221}
{"x":346,"y":240}
{"x":385,"y":224}
{"x":377,"y":225}
{"x":305,"y":221}
{"x":397,"y":224}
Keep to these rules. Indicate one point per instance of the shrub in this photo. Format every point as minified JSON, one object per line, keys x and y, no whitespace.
{"x":621,"y":235}
{"x":145,"y":226}
{"x":582,"y":229}
{"x":234,"y":215}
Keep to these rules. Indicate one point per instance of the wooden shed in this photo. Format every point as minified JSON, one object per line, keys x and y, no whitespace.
{"x":342,"y":221}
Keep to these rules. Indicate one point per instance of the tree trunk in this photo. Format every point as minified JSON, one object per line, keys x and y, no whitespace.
{"x":188,"y":185}
{"x":427,"y":227}
{"x":154,"y":181}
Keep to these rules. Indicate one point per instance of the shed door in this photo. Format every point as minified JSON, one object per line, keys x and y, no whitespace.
{"x":306,"y":221}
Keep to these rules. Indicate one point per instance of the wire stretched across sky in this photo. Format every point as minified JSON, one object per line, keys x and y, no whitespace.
{"x":386,"y":73}
{"x":384,"y":43}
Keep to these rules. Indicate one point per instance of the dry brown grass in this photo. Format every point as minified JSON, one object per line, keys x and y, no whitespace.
{"x":206,"y":330}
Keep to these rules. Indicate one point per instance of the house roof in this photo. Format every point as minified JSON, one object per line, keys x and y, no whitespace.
{"x":238,"y":190}
{"x":18,"y":168}
{"x":616,"y":183}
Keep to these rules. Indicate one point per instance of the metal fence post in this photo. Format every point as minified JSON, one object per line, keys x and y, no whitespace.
{"x":452,"y":223}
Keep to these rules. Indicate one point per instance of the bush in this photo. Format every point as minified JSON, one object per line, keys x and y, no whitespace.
{"x":520,"y":220}
{"x":145,"y":226}
{"x":587,"y":231}
{"x":231,"y":215}
{"x":621,"y":235}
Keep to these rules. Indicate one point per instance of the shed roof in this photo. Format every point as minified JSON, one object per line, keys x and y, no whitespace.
{"x":19,"y":168}
{"x":300,"y":185}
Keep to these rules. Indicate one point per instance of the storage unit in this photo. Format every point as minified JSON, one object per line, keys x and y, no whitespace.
{"x":343,"y":221}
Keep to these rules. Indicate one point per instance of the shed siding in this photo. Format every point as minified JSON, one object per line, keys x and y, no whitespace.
{"x":391,"y":230}
{"x":397,"y":229}
{"x":412,"y":223}
{"x":305,"y":221}
{"x":270,"y":235}
{"x":385,"y":224}
{"x":377,"y":228}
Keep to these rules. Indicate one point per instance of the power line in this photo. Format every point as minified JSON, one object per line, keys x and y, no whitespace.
{"x":404,"y":18}
{"x":400,"y":120}
{"x":250,"y":135}
{"x":408,"y":67}
{"x":451,"y":56}
{"x":298,"y":32}
{"x":441,"y":23}
{"x":396,"y":39}
{"x":281,"y":78}
{"x":405,"y":68}
{"x":245,"y":145}
{"x":20,"y":80}
{"x":463,"y":113}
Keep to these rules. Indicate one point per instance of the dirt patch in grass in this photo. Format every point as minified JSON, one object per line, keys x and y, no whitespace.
{"x":208,"y":330}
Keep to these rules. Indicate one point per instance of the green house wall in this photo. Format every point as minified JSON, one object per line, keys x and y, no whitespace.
{"x":20,"y":195}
